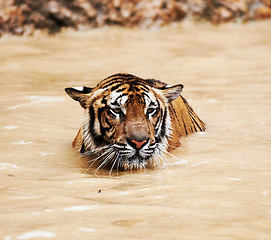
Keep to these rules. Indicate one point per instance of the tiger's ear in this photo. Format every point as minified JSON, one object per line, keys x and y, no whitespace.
{"x":171,"y":93}
{"x":80,"y":94}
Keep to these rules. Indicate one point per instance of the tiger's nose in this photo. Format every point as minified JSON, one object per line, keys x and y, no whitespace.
{"x":136,"y":144}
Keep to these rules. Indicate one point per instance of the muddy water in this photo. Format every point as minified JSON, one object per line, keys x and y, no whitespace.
{"x":218,"y":185}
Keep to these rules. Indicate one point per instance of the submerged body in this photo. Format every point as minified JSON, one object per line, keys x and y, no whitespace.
{"x":130,"y":122}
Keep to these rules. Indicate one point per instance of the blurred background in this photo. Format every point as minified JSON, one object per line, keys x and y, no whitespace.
{"x":23,"y":17}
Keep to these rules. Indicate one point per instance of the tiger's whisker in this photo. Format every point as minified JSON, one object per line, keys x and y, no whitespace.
{"x":105,"y":161}
{"x":93,"y":152}
{"x":171,"y":155}
{"x":164,"y":160}
{"x":96,"y":151}
{"x":114,"y":162}
{"x":98,"y":158}
{"x":119,"y":161}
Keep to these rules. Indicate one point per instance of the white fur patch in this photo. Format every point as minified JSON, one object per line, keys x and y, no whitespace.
{"x":87,"y":140}
{"x":81,"y":89}
{"x":97,"y":127}
{"x":114,"y":96}
{"x":121,"y":101}
{"x":97,"y":92}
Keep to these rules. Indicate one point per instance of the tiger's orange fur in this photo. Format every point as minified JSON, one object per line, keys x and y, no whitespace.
{"x":184,"y":120}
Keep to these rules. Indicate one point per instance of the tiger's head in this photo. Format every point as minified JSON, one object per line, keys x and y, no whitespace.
{"x":127,"y":122}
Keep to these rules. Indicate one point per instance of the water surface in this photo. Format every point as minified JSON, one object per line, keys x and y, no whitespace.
{"x":217,"y":185}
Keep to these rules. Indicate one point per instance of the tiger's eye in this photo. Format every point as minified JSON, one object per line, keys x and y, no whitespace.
{"x":115,"y":110}
{"x":151,"y":110}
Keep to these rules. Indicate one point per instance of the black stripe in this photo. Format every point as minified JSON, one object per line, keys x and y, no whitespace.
{"x":112,"y":137}
{"x":112,"y":82}
{"x":96,"y":138}
{"x":119,"y":77}
{"x":137,"y":89}
{"x":159,"y":119}
{"x":176,"y":117}
{"x":183,"y":125}
{"x":145,"y":94}
{"x":104,"y":101}
{"x":122,"y":144}
{"x":120,"y":96}
{"x":115,"y":87}
{"x":121,"y":89}
{"x":82,"y":150}
{"x":161,"y":110}
{"x":125,"y":75}
{"x":163,"y":127}
{"x":102,"y":129}
{"x":122,"y":79}
{"x":143,"y":86}
{"x":195,"y":123}
{"x":91,"y":119}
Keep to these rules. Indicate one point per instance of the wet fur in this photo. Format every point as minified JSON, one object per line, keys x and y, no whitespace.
{"x":184,"y":120}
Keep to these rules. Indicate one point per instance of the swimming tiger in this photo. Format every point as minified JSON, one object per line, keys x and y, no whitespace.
{"x":131,"y":122}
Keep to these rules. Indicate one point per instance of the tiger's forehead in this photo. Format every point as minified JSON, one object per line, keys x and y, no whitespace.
{"x":133,"y":91}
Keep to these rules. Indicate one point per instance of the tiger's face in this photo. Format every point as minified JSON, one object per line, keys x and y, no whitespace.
{"x":127,"y":123}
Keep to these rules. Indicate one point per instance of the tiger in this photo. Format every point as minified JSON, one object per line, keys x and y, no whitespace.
{"x":131,"y":122}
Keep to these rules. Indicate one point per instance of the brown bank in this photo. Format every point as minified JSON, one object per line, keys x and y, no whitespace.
{"x":23,"y":17}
